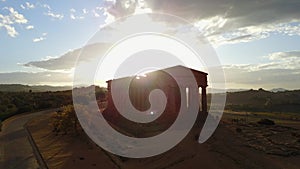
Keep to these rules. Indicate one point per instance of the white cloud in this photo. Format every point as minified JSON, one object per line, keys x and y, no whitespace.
{"x":109,"y":18}
{"x":17,"y":17}
{"x":117,"y":8}
{"x":36,"y":78}
{"x":284,"y":55}
{"x":22,"y":6}
{"x":29,"y":6}
{"x":250,"y":33}
{"x":38,"y":39}
{"x":54,"y":15}
{"x":284,"y":60}
{"x":72,"y":10}
{"x":74,"y":15}
{"x":67,"y":60}
{"x":111,"y":1}
{"x":282,"y":70}
{"x":279,"y":60}
{"x":141,"y":7}
{"x":266,"y":78}
{"x":29,"y":27}
{"x":11,"y":31}
{"x":43,"y":37}
{"x":8,"y":21}
{"x":222,"y":22}
{"x":84,"y":11}
{"x":100,"y":8}
{"x":95,"y":14}
{"x":120,"y":8}
{"x":46,"y":6}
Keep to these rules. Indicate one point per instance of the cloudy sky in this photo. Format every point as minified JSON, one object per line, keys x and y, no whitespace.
{"x":256,"y":41}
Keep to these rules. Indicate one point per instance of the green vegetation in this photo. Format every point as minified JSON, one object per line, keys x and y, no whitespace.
{"x":12,"y":103}
{"x":27,"y":88}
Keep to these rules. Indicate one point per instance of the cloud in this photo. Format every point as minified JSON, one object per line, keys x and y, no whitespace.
{"x":109,"y":18}
{"x":27,"y":6}
{"x":278,"y":60}
{"x":223,"y":21}
{"x":38,"y":39}
{"x":240,"y":13}
{"x":46,"y":6}
{"x":29,"y":27}
{"x":74,"y":15}
{"x":36,"y":78}
{"x":95,"y":14}
{"x":72,"y":10}
{"x":11,"y":31}
{"x":17,"y":17}
{"x":114,"y":9}
{"x":284,"y":60}
{"x":67,"y":60}
{"x":43,"y":37}
{"x":111,"y":1}
{"x":284,"y":55}
{"x":120,"y":8}
{"x":84,"y":11}
{"x":54,"y":15}
{"x":233,"y":21}
{"x":283,"y":69}
{"x":8,"y":21}
{"x":268,"y":78}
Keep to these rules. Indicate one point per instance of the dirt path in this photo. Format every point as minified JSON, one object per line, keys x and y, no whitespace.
{"x":15,"y":150}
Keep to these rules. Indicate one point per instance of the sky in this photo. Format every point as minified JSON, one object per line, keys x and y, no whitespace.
{"x":257,"y":42}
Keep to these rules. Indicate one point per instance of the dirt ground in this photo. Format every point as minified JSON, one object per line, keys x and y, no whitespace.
{"x":244,"y":145}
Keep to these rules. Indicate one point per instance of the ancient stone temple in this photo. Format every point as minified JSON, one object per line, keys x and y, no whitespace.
{"x":142,"y":85}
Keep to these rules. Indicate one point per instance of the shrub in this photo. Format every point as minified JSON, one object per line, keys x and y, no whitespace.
{"x":238,"y":130}
{"x":65,"y":120}
{"x":266,"y":122}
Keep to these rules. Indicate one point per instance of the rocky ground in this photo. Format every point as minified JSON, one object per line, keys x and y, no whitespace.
{"x":233,"y":145}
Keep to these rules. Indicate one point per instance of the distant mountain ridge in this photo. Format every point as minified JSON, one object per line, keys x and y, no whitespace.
{"x":278,"y":90}
{"x":45,"y":88}
{"x":212,"y":90}
{"x":263,"y":101}
{"x":27,"y":88}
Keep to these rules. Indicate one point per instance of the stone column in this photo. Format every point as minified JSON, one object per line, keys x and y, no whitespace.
{"x":204,"y":99}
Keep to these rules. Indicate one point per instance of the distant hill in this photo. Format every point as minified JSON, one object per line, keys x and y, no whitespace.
{"x":27,"y":88}
{"x":263,"y":100}
{"x":278,"y":90}
{"x":211,"y":90}
{"x":214,"y":90}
